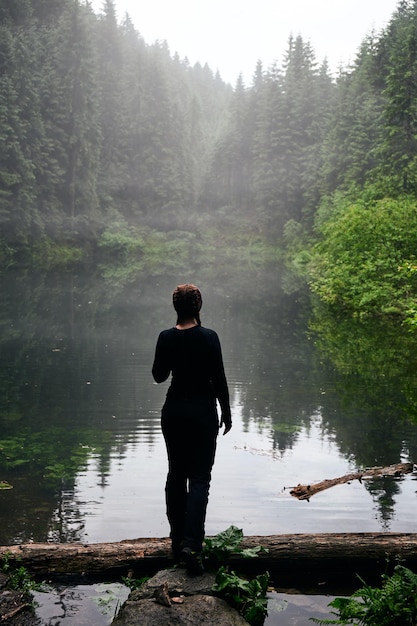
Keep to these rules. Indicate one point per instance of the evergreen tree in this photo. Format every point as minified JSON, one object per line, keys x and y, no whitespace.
{"x":289,"y":131}
{"x":15,"y":12}
{"x":266,"y":146}
{"x":398,"y":60}
{"x":126,"y":190}
{"x":110,"y":63}
{"x":322,"y":102}
{"x":20,"y":134}
{"x":166,"y":187}
{"x":69,"y":104}
{"x":351,"y":146}
{"x":299,"y":118}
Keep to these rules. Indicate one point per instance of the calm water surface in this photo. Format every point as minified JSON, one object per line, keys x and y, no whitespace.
{"x":81,"y":443}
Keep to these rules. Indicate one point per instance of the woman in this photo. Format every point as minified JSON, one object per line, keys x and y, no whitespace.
{"x":190,"y":422}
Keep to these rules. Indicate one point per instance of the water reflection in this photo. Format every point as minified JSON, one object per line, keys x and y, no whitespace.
{"x":374,"y":415}
{"x":79,"y":413}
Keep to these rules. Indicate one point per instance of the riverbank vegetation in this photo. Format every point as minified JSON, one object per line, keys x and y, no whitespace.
{"x":394,"y":603}
{"x":115,"y":151}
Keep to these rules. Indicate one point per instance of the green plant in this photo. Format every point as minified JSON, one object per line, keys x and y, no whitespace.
{"x":394,"y":604}
{"x":364,"y":263}
{"x":134,"y":583}
{"x":227,"y":543}
{"x":247,"y":596}
{"x":18,"y":577}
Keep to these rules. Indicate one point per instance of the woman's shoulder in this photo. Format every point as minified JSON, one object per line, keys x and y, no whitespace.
{"x":209,"y":333}
{"x":167,"y":332}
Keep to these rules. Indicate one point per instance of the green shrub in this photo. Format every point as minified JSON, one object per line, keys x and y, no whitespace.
{"x":362,"y":263}
{"x":394,"y":604}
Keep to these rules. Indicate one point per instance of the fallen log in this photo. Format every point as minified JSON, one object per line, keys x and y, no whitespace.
{"x":305,"y":492}
{"x":291,"y":559}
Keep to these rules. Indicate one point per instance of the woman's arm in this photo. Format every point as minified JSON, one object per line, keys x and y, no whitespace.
{"x":221,"y":388}
{"x":160,"y":369}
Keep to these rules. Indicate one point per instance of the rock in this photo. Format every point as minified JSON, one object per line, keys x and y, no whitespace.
{"x":178,"y":583}
{"x":195,"y":611}
{"x":198,"y":607}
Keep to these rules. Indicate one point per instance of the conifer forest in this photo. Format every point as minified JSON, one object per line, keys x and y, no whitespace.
{"x":112,"y":147}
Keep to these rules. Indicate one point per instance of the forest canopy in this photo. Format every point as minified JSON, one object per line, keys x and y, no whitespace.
{"x":111,"y":146}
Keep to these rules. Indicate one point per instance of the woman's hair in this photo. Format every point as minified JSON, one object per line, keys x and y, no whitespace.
{"x":187,"y":302}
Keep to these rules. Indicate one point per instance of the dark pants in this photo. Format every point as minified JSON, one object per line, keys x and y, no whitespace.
{"x":190,"y":429}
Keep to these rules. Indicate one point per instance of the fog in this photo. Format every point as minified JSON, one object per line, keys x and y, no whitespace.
{"x":232,"y":36}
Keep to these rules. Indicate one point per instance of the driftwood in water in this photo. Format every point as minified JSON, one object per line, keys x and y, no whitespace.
{"x":304,"y":492}
{"x":291,"y":559}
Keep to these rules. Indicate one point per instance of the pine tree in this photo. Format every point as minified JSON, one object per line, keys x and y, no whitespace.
{"x":287,"y":136}
{"x":69,"y":103}
{"x":228,"y":183}
{"x":398,"y":58}
{"x":322,"y":102}
{"x":109,"y":75}
{"x":266,"y":147}
{"x":350,"y":149}
{"x":15,"y":12}
{"x":20,"y":134}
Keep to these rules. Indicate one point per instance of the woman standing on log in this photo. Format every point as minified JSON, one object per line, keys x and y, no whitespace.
{"x":189,"y":419}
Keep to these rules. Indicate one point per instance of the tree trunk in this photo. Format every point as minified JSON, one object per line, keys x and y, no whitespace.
{"x":292,"y":560}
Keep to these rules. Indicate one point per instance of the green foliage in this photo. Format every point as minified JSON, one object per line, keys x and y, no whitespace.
{"x":362,"y":263}
{"x":227,"y":543}
{"x":47,"y":253}
{"x":247,"y":596}
{"x":7,"y":254}
{"x":134,"y":583}
{"x":18,"y":577}
{"x":121,"y":244}
{"x":394,"y":604}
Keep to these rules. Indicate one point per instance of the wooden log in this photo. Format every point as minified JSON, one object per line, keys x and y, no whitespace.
{"x":291,"y":559}
{"x":305,"y":492}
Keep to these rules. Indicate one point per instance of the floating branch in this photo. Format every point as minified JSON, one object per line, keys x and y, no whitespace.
{"x":304,"y":492}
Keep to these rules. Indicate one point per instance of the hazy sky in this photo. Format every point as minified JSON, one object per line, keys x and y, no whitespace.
{"x":231,"y":35}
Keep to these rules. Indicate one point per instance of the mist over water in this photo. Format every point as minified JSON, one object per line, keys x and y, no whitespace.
{"x":81,"y":443}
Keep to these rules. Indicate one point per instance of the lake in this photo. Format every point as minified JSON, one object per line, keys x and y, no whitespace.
{"x":81,"y":443}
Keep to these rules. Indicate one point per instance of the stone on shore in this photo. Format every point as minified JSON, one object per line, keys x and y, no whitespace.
{"x":192,"y":603}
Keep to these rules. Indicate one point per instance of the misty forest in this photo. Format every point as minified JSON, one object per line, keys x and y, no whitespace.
{"x":292,"y":200}
{"x":112,"y":148}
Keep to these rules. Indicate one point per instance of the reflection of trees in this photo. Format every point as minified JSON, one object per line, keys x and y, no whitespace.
{"x":24,"y":509}
{"x":369,"y":408}
{"x":378,"y":352}
{"x":268,"y":332}
{"x":66,"y":523}
{"x":68,"y":389}
{"x":76,"y":389}
{"x":383,"y":489}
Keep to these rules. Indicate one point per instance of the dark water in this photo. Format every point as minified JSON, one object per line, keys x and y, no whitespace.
{"x":80,"y":439}
{"x":96,"y":605}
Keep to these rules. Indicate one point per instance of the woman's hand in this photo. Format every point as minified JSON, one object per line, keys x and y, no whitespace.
{"x":227,"y":423}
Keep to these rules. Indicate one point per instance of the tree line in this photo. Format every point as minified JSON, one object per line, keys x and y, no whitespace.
{"x":105,"y":138}
{"x":96,"y":126}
